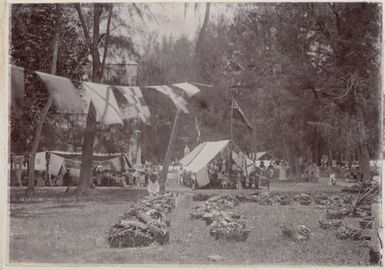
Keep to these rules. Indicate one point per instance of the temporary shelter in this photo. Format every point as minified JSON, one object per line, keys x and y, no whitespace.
{"x":55,"y":160}
{"x":198,"y":159}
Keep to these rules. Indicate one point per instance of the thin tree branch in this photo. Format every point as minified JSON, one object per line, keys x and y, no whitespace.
{"x":203,"y":29}
{"x":84,"y":25}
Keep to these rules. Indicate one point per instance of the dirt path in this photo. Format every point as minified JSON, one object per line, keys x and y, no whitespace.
{"x":179,"y":216}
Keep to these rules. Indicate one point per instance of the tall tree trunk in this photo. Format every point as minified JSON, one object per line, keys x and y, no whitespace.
{"x":97,"y":67}
{"x":43,"y":115}
{"x":87,"y":150}
{"x":363,"y":146}
{"x":316,"y":147}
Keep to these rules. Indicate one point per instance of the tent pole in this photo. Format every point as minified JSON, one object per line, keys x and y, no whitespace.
{"x":231,"y":117}
{"x":167,"y":158}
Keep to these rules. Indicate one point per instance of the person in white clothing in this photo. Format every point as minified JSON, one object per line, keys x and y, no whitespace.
{"x":153,"y":186}
{"x":332,"y":179}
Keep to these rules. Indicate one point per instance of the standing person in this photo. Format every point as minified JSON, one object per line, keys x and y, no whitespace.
{"x":317,"y":172}
{"x":253,"y":177}
{"x":146,"y":176}
{"x":332,"y":179}
{"x":153,"y":186}
{"x":180,"y":176}
{"x":271,"y":170}
{"x":282,"y":171}
{"x":262,"y":165}
{"x":67,"y":180}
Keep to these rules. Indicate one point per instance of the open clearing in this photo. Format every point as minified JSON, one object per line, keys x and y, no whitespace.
{"x":65,"y":230}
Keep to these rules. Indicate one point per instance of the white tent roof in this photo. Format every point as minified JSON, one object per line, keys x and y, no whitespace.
{"x":190,"y":156}
{"x":260,"y":154}
{"x":202,"y":155}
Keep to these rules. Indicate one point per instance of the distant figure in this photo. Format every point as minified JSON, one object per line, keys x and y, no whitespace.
{"x":359,"y":175}
{"x":186,"y":150}
{"x":67,"y":180}
{"x":180,"y":176}
{"x":332,"y":179}
{"x":253,"y":178}
{"x":153,"y":186}
{"x":271,"y":170}
{"x":146,"y":176}
{"x":317,"y":172}
{"x":282,"y":171}
{"x":262,"y":165}
{"x":376,"y":178}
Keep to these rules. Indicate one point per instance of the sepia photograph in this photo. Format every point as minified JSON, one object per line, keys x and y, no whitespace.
{"x":194,"y":134}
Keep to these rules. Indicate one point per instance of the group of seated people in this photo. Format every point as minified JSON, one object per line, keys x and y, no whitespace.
{"x":131,"y":177}
{"x":235,"y":178}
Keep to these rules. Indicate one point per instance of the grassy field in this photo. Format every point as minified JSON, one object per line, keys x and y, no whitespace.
{"x":65,"y":230}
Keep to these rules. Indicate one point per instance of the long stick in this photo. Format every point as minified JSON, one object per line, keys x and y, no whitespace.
{"x":231,"y":117}
{"x":167,"y":158}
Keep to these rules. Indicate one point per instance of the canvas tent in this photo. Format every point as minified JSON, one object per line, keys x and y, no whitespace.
{"x":57,"y":159}
{"x":198,"y":159}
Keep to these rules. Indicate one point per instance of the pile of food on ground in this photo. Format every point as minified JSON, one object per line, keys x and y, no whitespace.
{"x":296,"y":232}
{"x":223,"y":224}
{"x":218,"y":202}
{"x":303,"y":199}
{"x":145,"y":222}
{"x":329,"y":223}
{"x":324,"y":199}
{"x":282,"y":199}
{"x":358,"y":206}
{"x":201,"y":197}
{"x":348,"y":232}
{"x":362,"y":186}
{"x":229,"y":228}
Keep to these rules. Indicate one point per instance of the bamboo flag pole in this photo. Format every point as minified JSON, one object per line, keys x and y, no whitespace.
{"x":167,"y":158}
{"x":231,"y":117}
{"x":43,"y":115}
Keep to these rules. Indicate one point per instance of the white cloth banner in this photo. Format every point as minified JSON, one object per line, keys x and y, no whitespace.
{"x":179,"y":102}
{"x":188,"y":88}
{"x":55,"y":163}
{"x":203,"y":177}
{"x":40,"y":162}
{"x":67,"y":97}
{"x":103,"y":99}
{"x":116,"y":164}
{"x":137,"y":106}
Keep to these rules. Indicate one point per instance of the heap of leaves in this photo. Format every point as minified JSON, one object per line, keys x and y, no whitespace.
{"x":296,"y":232}
{"x":229,"y":229}
{"x":303,"y":199}
{"x":358,"y":206}
{"x":145,"y":222}
{"x":218,"y":202}
{"x":223,"y":224}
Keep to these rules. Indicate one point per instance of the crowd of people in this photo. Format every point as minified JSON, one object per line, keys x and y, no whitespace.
{"x":236,"y":177}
